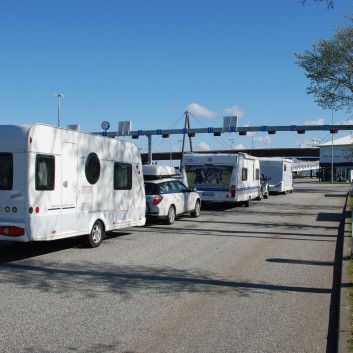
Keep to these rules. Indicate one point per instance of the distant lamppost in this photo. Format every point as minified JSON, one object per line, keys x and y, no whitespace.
{"x":180,"y":141}
{"x":170,"y":141}
{"x":59,"y":95}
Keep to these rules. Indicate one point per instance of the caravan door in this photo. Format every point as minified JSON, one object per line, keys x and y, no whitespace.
{"x":69,"y":187}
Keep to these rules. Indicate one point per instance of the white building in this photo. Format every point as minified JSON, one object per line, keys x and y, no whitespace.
{"x":338,"y":154}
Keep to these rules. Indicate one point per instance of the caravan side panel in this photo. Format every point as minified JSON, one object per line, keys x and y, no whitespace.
{"x":64,"y":181}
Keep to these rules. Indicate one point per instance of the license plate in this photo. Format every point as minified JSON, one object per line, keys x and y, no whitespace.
{"x":208,"y":194}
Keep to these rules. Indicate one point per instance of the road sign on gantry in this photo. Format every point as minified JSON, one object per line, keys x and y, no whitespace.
{"x":230,"y":123}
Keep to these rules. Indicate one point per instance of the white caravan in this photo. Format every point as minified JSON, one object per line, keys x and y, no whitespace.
{"x":57,"y":183}
{"x":223,"y":177}
{"x":280,"y":173}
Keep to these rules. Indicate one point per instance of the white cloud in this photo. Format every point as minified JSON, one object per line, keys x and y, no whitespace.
{"x":203,"y":146}
{"x":315,"y":122}
{"x":200,"y":111}
{"x":347,"y":122}
{"x":262,"y":139}
{"x":235,"y":111}
{"x":239,"y":146}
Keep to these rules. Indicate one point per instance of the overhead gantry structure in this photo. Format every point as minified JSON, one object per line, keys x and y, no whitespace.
{"x":229,"y":126}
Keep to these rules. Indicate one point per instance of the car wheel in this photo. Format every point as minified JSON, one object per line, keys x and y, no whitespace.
{"x":196,"y":212}
{"x":95,"y":238}
{"x":171,"y":215}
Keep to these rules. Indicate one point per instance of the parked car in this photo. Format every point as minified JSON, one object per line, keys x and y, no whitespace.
{"x":168,"y":198}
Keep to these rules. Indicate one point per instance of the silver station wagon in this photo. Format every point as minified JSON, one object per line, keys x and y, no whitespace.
{"x":168,"y":198}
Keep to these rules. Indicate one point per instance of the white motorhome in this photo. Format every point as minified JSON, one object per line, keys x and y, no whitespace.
{"x":279,"y":171}
{"x":58,"y":183}
{"x":223,"y":177}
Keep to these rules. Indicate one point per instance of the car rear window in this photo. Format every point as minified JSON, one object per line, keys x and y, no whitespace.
{"x":150,"y":189}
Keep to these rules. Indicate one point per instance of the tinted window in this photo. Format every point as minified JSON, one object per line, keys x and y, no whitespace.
{"x":164,"y":188}
{"x":93,"y":168}
{"x":122,"y":176}
{"x":179,"y":186}
{"x":150,"y":189}
{"x":6,"y":171}
{"x":45,"y":172}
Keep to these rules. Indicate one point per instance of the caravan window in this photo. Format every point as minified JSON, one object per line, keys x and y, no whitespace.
{"x":45,"y":172}
{"x":257,"y":174}
{"x":92,"y":168}
{"x":122,"y":176}
{"x":6,"y":171}
{"x":244,"y":174}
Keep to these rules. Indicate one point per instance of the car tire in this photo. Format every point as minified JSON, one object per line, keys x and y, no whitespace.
{"x":94,"y":239}
{"x":170,"y":216}
{"x":267,"y":193}
{"x":196,"y":212}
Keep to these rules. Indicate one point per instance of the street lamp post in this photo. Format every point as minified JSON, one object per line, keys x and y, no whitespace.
{"x":59,"y":95}
{"x":170,"y":141}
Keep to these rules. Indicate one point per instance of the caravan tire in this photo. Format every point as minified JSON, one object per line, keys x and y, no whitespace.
{"x":247,"y":203}
{"x":95,"y":238}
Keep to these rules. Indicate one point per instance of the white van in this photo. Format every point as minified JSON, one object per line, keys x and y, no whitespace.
{"x":223,"y":177}
{"x":279,"y":171}
{"x":58,"y":183}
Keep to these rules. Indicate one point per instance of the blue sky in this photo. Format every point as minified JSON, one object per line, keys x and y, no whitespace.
{"x":148,"y":61}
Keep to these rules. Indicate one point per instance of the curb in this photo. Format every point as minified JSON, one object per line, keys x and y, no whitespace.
{"x":343,"y":319}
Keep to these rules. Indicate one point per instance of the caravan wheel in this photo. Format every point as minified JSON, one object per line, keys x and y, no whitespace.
{"x":95,"y":238}
{"x":247,"y":203}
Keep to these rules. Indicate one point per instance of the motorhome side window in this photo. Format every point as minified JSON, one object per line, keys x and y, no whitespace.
{"x":284,"y":168}
{"x":45,"y":172}
{"x":6,"y":171}
{"x":122,"y":176}
{"x":92,"y":168}
{"x":244,"y":174}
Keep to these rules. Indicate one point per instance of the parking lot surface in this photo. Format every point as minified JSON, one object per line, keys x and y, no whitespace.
{"x":236,"y":279}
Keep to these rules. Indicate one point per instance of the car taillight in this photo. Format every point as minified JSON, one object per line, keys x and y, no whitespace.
{"x":12,"y":231}
{"x":157,"y":199}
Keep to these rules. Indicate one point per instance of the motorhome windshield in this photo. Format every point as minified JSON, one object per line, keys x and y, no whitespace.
{"x":6,"y":171}
{"x":201,"y":176}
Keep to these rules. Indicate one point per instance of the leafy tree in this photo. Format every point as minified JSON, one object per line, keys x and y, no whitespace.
{"x":329,"y":66}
